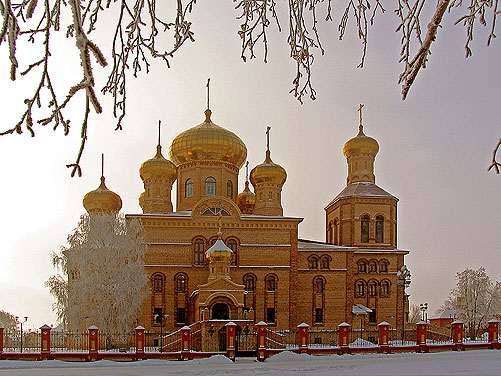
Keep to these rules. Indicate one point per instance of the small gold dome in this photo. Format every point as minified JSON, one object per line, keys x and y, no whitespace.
{"x":158,"y":168}
{"x":361,"y":144}
{"x":246,"y":200}
{"x":141,"y":199}
{"x":208,"y":141}
{"x":268,"y":172}
{"x":102,"y":200}
{"x":219,"y":251}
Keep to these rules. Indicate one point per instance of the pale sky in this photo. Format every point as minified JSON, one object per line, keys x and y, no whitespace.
{"x":434,"y":148}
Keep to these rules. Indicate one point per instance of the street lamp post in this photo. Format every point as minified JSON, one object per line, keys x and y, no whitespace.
{"x":22,"y":322}
{"x":161,"y":320}
{"x":423,"y":307}
{"x":404,"y":276}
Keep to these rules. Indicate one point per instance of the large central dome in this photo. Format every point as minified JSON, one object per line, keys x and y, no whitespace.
{"x":208,"y":141}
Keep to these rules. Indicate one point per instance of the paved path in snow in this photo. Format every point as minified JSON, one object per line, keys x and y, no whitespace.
{"x":470,"y":363}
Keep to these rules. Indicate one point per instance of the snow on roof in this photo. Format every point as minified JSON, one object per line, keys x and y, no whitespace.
{"x":361,"y":189}
{"x":358,"y":309}
{"x":313,"y":244}
{"x":447,"y":314}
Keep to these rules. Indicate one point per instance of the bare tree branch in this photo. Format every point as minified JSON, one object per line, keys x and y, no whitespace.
{"x":495,"y":164}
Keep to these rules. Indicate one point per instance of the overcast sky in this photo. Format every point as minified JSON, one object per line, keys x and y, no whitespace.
{"x":434,"y":148}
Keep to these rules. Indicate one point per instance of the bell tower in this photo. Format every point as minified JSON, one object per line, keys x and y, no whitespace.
{"x":363,"y":214}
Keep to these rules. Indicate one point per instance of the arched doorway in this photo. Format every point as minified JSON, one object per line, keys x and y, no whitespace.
{"x":222,"y":338}
{"x":220,"y":311}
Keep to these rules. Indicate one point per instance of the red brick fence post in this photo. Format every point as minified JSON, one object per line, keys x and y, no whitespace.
{"x":139,"y":342}
{"x":302,"y":337}
{"x":45,"y":348}
{"x":261,"y":328}
{"x":457,"y":335}
{"x":421,"y":333}
{"x":230,"y":340}
{"x":185,"y":342}
{"x":93,"y":342}
{"x":344,"y":336}
{"x":1,"y":339}
{"x":493,"y":333}
{"x":384,"y":334}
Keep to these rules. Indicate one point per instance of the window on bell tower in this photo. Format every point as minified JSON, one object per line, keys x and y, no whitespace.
{"x":188,"y":188}
{"x":229,"y":189}
{"x":379,"y":229}
{"x":210,"y":186}
{"x":336,"y":227}
{"x":365,"y":229}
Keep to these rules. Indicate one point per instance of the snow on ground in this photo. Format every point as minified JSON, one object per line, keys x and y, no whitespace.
{"x":471,"y":363}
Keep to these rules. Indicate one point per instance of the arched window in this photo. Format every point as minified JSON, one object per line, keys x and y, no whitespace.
{"x":210,"y":186}
{"x":362,"y":266}
{"x":249,"y":283}
{"x":229,"y":189}
{"x":313,"y":262}
{"x":271,"y":283}
{"x":181,"y":283}
{"x":359,"y":288}
{"x":372,"y":266}
{"x":385,"y":288}
{"x":325,"y":262}
{"x":318,"y":285}
{"x":188,"y":188}
{"x":379,"y":229}
{"x":330,"y":235}
{"x":383,"y":266}
{"x":365,"y":229}
{"x":198,"y":252}
{"x":372,"y":288}
{"x":158,"y":283}
{"x":336,"y":229}
{"x":232,"y":244}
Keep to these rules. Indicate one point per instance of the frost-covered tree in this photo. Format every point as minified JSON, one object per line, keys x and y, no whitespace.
{"x":148,"y":29}
{"x":414,"y":314}
{"x":475,"y":298}
{"x":103,"y":279}
{"x":8,"y":321}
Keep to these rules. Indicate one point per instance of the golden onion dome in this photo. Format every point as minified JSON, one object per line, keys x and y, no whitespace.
{"x":208,"y":141}
{"x":268,"y":172}
{"x":219,"y":251}
{"x":158,"y":168}
{"x":102,"y":200}
{"x":141,"y":199}
{"x":246,"y":200}
{"x":361,"y":144}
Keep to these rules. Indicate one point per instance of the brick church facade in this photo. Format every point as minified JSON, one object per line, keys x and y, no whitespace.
{"x":226,"y":256}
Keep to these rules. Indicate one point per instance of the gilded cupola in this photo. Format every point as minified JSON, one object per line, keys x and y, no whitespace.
{"x":268,"y":172}
{"x":268,"y":179}
{"x":208,"y":142}
{"x":246,"y":199}
{"x":102,"y":200}
{"x":360,"y":152}
{"x":158,"y":175}
{"x":361,"y":144}
{"x":158,"y":168}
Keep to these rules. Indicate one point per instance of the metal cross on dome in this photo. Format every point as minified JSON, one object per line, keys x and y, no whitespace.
{"x":360,"y":111}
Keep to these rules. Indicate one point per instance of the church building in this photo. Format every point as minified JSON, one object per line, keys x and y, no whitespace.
{"x":223,"y":255}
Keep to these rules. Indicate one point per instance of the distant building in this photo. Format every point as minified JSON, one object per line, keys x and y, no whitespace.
{"x":225,"y":256}
{"x":444,"y":319}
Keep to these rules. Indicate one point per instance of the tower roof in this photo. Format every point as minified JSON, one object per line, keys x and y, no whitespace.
{"x":102,"y":200}
{"x":360,"y":144}
{"x":208,"y":141}
{"x":268,"y":171}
